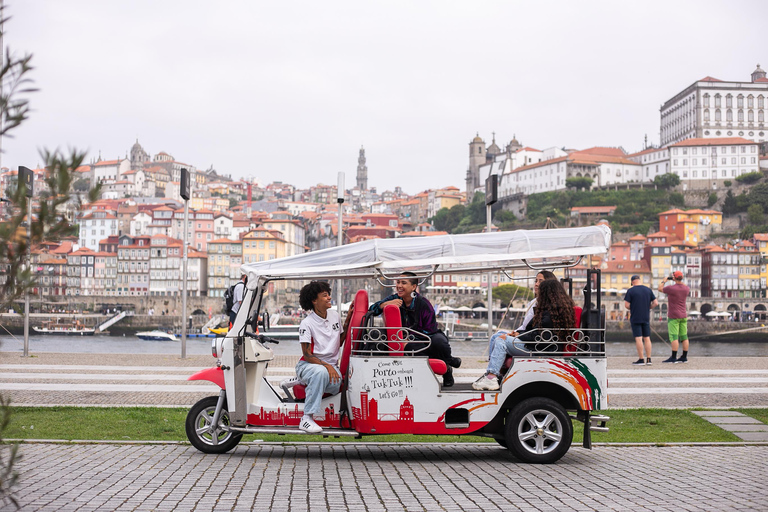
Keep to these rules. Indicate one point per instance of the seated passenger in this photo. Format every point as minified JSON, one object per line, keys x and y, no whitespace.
{"x":529,"y":310}
{"x":321,"y":337}
{"x":417,"y":313}
{"x":554,"y":311}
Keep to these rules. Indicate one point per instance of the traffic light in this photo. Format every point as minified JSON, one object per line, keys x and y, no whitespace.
{"x":184,"y":187}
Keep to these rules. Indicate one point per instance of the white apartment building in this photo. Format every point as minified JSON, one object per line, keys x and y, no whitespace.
{"x":702,"y":162}
{"x":139,"y":224}
{"x":606,"y":167}
{"x":715,"y":108}
{"x":96,"y":225}
{"x":110,"y":170}
{"x":654,"y":162}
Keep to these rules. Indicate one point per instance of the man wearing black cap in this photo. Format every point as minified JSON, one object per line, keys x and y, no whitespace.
{"x":677,"y":315}
{"x":639,"y":300}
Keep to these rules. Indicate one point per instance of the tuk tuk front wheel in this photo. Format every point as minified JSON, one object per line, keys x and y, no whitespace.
{"x":539,"y":431}
{"x":201,"y":432}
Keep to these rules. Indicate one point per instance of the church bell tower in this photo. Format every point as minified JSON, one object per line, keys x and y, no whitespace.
{"x":362,"y":171}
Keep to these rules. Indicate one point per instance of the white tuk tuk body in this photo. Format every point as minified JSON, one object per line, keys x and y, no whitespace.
{"x":388,"y":392}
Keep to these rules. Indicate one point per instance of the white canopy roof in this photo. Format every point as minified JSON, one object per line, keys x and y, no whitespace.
{"x":506,"y":249}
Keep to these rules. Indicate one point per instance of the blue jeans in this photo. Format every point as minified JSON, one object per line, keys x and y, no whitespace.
{"x":500,"y":348}
{"x":318,"y":382}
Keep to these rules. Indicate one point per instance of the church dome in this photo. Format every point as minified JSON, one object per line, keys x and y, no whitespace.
{"x":477,"y":138}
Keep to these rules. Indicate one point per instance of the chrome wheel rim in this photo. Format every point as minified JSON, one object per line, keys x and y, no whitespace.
{"x":540,"y":432}
{"x":205,"y":430}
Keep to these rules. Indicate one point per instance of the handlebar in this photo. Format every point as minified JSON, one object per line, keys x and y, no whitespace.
{"x":261,"y":338}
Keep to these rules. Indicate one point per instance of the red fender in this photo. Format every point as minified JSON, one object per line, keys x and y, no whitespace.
{"x":215,"y":375}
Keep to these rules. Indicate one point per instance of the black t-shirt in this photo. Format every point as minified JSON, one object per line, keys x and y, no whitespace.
{"x":639,"y":298}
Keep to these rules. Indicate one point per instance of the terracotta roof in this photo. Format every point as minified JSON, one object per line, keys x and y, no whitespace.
{"x":669,"y":212}
{"x":626,"y":267}
{"x":723,"y":141}
{"x":637,"y":237}
{"x":106,"y":162}
{"x":763,"y":237}
{"x":710,"y":79}
{"x":603,"y":151}
{"x":223,"y":241}
{"x":424,"y":233}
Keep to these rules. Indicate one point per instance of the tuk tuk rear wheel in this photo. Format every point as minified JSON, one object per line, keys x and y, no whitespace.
{"x":539,"y":431}
{"x":201,"y":432}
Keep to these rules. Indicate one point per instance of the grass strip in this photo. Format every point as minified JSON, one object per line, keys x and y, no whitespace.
{"x":759,"y":414}
{"x":160,"y":424}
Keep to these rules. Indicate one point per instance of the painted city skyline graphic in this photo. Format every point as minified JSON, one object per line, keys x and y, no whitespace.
{"x":369,"y":410}
{"x":284,"y":416}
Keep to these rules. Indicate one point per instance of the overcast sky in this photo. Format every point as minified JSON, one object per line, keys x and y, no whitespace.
{"x":289,"y":91}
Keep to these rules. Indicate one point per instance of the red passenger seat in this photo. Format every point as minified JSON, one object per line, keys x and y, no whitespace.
{"x":394,"y":326}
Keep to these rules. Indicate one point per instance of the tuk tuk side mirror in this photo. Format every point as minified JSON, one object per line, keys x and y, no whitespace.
{"x":265,"y":321}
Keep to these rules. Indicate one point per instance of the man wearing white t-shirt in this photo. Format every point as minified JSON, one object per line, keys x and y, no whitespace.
{"x":321,"y":336}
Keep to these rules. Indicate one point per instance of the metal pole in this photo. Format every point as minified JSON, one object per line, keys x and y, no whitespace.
{"x":184,"y":286}
{"x":490,"y":278}
{"x":339,"y":237}
{"x":29,"y":266}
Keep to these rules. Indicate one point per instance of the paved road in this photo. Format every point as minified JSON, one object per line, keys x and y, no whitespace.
{"x":371,"y":477}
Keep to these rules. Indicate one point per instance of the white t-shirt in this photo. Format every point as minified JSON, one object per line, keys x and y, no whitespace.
{"x":528,"y":315}
{"x":325,"y":333}
{"x":237,"y":296}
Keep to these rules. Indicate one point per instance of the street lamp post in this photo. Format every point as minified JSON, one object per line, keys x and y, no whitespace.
{"x":184,"y":189}
{"x":27,"y":177}
{"x":491,"y":196}
{"x":339,"y":238}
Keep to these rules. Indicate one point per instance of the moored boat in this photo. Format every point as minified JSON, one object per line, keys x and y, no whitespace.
{"x":156,"y":336}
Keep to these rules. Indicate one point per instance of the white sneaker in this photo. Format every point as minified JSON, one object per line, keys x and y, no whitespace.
{"x":308,"y":425}
{"x":487,"y":382}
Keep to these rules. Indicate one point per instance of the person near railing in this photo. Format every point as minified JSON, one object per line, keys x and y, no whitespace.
{"x":552,"y":322}
{"x":417,"y":314}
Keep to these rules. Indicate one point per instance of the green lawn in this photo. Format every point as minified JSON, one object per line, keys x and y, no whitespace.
{"x":154,"y":424}
{"x":758,"y":414}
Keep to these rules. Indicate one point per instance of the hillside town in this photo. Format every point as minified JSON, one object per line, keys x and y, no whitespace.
{"x":130,"y":240}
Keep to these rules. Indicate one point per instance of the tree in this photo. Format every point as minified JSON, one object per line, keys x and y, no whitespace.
{"x":579,"y":182}
{"x":505,"y":293}
{"x":447,"y":219}
{"x":47,"y":223}
{"x":667,"y":180}
{"x":749,"y":178}
{"x":711,"y":200}
{"x":755,"y":214}
{"x":81,"y":185}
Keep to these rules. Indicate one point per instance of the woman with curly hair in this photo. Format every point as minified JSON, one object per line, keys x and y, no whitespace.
{"x":554,"y":316}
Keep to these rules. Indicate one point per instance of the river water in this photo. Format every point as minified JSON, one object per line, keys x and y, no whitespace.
{"x":202,"y":346}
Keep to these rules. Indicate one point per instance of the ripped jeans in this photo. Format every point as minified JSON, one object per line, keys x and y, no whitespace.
{"x":501,"y":345}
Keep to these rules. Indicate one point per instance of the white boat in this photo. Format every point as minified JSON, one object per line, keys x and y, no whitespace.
{"x":156,"y":336}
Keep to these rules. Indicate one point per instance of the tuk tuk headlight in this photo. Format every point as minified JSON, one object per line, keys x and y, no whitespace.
{"x":216,"y":347}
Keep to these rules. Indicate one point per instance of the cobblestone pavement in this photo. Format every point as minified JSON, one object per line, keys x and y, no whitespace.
{"x":160,"y":380}
{"x":375,"y":477}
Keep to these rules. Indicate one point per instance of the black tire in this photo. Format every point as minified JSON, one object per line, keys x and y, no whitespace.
{"x":502,"y":442}
{"x":539,"y":431}
{"x":198,"y":425}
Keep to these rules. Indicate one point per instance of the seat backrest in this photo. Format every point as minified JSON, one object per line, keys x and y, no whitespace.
{"x":394,"y":325}
{"x":354,"y":332}
{"x":577,"y":313}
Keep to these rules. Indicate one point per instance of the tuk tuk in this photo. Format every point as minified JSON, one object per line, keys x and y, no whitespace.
{"x":387,"y":390}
